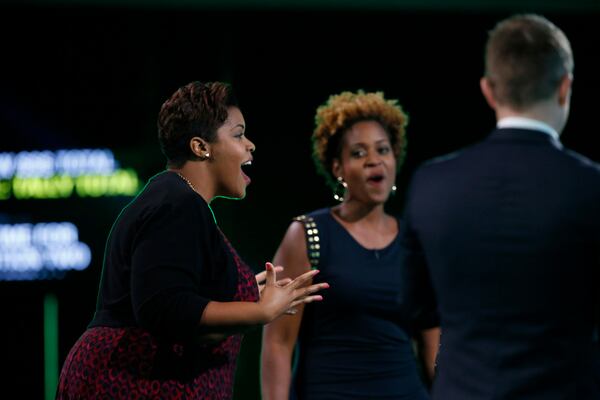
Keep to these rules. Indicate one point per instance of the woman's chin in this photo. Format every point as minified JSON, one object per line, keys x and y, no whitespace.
{"x":237,"y":194}
{"x":376,"y":200}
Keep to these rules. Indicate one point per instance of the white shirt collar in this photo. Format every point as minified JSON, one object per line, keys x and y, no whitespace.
{"x":527,"y":123}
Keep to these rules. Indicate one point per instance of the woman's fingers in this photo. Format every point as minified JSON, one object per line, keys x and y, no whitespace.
{"x":302,"y":292}
{"x":306,"y":300}
{"x":293,"y":292}
{"x":284,"y":281}
{"x":302,"y":279}
{"x":304,"y":295}
{"x":261,"y":276}
{"x":271,"y":275}
{"x":281,"y":282}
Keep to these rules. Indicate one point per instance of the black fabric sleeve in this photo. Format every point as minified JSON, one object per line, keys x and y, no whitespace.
{"x":166,"y":268}
{"x":418,"y":300}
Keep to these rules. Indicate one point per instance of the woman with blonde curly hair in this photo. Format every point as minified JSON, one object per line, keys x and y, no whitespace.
{"x":354,"y":344}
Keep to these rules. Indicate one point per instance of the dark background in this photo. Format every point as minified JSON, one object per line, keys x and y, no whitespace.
{"x":93,"y":75}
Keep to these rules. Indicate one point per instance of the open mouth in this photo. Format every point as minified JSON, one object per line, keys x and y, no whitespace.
{"x":375,"y":179}
{"x":245,"y":165}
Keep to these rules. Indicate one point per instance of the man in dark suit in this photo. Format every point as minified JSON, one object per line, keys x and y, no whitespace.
{"x":503,"y":238}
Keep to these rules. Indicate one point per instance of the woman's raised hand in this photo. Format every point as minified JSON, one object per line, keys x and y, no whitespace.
{"x":262,"y":276}
{"x":279,"y":297}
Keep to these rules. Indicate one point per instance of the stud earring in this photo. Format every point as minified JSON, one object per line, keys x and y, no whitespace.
{"x":394,"y":188}
{"x":340,"y":189}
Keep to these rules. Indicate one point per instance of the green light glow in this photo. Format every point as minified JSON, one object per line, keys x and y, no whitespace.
{"x":122,"y":182}
{"x":43,"y":188}
{"x":50,"y":346}
{"x":4,"y":190}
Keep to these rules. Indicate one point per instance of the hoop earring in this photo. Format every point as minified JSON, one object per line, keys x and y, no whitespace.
{"x":340,"y":187}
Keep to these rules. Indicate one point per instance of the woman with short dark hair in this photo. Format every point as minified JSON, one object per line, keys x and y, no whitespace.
{"x":174,"y":294}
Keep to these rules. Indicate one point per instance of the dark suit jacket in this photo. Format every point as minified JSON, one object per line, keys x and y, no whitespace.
{"x":504,"y":239}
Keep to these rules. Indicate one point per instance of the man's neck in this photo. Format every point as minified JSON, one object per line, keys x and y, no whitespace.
{"x":527,"y":123}
{"x":542,"y":112}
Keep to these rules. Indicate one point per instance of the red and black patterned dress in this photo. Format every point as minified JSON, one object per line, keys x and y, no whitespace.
{"x":132,"y":362}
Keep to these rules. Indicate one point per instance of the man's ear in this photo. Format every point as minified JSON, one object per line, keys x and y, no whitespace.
{"x":199,"y":147}
{"x":488,"y":92}
{"x":564,"y":89}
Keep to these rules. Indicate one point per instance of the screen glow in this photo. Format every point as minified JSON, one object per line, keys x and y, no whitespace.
{"x":63,"y":173}
{"x":41,"y":251}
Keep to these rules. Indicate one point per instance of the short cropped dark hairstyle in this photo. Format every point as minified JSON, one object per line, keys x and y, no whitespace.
{"x":194,"y":110}
{"x":526,"y":58}
{"x":343,"y":110}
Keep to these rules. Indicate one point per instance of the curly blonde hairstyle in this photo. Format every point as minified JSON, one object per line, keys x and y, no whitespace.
{"x":343,"y":110}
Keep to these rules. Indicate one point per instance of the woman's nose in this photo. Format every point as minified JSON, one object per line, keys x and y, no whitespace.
{"x":251,"y":146}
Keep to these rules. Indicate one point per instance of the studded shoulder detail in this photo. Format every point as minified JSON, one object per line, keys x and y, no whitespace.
{"x":313,"y":244}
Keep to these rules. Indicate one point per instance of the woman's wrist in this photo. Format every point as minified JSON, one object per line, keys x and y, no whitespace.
{"x":264,"y":313}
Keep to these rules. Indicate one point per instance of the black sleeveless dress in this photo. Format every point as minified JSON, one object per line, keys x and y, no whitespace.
{"x":353,"y":345}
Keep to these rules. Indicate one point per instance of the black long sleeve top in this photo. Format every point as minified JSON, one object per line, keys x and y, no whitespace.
{"x":165,"y":259}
